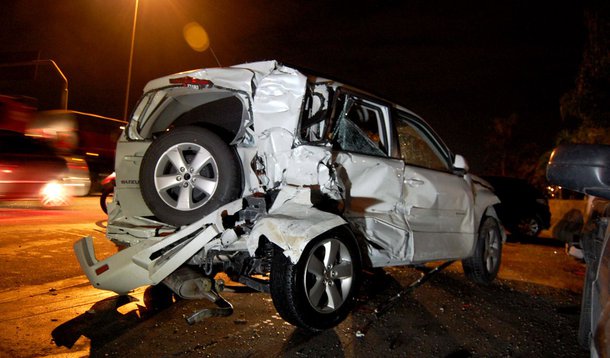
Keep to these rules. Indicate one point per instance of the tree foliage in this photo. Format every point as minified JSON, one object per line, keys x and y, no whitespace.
{"x":585,"y":110}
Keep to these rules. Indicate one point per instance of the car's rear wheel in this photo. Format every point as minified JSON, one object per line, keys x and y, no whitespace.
{"x":187,"y":173}
{"x":483,"y":266}
{"x":317,"y":292}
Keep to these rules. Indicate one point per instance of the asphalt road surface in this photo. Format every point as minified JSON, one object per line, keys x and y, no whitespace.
{"x":48,"y":308}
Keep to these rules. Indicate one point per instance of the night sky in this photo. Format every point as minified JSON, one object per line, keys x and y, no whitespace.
{"x":457,"y":66}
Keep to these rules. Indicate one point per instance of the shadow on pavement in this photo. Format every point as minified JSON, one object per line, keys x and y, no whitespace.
{"x":535,"y":240}
{"x":104,"y":321}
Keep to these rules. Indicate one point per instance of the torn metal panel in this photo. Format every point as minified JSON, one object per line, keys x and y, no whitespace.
{"x":274,"y":148}
{"x":303,"y":165}
{"x":373,"y":194}
{"x":309,"y":165}
{"x":276,"y":112}
{"x":294,"y":194}
{"x":273,"y":95}
{"x":247,"y":156}
{"x":292,"y":223}
{"x":278,"y":101}
{"x":372,"y":184}
{"x":395,"y":238}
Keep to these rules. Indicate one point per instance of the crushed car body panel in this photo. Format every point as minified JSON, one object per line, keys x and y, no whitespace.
{"x":293,"y":223}
{"x":315,"y":155}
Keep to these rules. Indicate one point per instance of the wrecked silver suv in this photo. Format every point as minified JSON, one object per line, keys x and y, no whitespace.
{"x":289,"y":184}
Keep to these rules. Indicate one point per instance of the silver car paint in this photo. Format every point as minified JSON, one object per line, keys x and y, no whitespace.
{"x":394,"y":206}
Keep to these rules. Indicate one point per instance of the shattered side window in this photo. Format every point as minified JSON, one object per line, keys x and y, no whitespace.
{"x":315,"y":113}
{"x":416,"y":147}
{"x":360,"y":128}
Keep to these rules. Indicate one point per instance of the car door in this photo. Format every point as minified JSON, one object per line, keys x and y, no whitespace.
{"x":399,"y":189}
{"x":438,"y":203}
{"x":370,"y":179}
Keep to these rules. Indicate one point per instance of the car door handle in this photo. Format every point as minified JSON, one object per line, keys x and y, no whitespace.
{"x":415,"y":182}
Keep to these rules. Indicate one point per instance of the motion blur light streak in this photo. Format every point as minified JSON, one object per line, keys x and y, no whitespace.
{"x":54,"y":194}
{"x":196,"y":36}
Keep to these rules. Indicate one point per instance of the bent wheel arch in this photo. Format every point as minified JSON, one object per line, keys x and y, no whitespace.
{"x":317,"y":292}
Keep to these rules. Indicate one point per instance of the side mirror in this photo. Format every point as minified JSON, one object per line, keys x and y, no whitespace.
{"x":584,"y":168}
{"x":460,"y":166}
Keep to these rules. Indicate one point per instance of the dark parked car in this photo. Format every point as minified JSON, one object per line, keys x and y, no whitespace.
{"x":524,"y":210}
{"x":30,"y":169}
{"x":585,"y":168}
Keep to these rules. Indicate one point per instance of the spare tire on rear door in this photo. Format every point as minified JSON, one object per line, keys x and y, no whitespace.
{"x":187,"y":173}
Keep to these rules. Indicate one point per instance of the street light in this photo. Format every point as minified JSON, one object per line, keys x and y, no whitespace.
{"x":64,"y":93}
{"x":133,"y":37}
{"x":199,"y":32}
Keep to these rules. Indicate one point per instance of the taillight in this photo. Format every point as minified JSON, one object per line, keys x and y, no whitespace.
{"x":7,"y":169}
{"x":190,"y":81}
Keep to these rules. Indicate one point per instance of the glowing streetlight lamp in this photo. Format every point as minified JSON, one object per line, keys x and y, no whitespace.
{"x":197,"y":38}
{"x":194,"y":34}
{"x":133,"y":37}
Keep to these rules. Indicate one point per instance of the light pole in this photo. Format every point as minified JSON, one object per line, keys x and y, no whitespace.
{"x":133,"y":38}
{"x":64,"y":93}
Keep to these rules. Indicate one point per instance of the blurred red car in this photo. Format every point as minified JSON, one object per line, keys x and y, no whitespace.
{"x":30,"y":169}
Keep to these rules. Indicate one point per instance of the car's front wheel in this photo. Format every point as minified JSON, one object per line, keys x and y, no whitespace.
{"x":483,"y":266}
{"x":317,"y":292}
{"x":188,"y":172}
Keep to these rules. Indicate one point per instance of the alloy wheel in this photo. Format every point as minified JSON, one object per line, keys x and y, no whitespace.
{"x":186,"y":176}
{"x":329,"y":274}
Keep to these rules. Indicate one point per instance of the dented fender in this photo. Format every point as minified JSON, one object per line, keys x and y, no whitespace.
{"x":292,"y":223}
{"x":485,"y":200}
{"x":484,"y":205}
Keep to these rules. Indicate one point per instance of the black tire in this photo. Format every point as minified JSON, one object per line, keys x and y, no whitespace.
{"x":107,"y":193}
{"x":187,"y":173}
{"x":483,"y":266}
{"x":529,"y":226}
{"x":292,"y":286}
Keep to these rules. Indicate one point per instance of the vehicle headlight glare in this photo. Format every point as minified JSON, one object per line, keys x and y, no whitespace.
{"x":54,"y":194}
